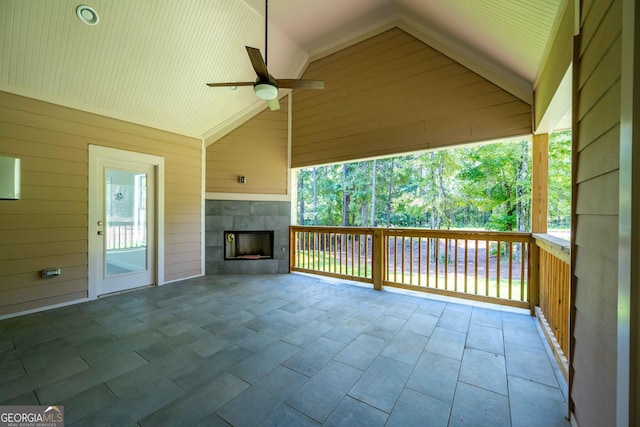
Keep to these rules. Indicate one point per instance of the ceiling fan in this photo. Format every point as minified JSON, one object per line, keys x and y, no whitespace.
{"x":266,"y":86}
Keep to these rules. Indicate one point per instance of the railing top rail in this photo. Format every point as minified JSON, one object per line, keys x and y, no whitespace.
{"x":461,"y":234}
{"x":503,"y":236}
{"x":557,"y":246}
{"x":421,"y":232}
{"x":332,"y":229}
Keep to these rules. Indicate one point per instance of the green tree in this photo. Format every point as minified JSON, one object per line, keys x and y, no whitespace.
{"x":493,"y":180}
{"x":480,"y":186}
{"x":560,"y":180}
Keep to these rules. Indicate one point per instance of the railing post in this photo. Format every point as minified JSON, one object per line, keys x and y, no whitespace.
{"x":534,"y":277}
{"x":377,"y":259}
{"x":540,"y":183}
{"x":292,"y":249}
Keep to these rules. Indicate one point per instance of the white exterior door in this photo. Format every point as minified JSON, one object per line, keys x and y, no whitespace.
{"x":123,"y":221}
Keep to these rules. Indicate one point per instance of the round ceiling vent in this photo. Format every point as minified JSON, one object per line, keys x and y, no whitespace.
{"x":87,"y":14}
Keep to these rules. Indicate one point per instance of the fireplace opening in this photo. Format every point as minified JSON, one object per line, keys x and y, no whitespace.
{"x":248,"y":245}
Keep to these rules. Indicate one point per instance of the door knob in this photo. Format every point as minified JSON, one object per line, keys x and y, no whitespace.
{"x":100,"y":223}
{"x":100,"y":232}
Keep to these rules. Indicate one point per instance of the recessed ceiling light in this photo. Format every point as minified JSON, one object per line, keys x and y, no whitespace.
{"x":87,"y":14}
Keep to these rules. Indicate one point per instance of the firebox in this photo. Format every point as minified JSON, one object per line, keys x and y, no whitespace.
{"x":248,"y":245}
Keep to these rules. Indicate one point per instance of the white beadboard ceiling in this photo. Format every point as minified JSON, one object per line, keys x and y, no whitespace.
{"x":147,"y":61}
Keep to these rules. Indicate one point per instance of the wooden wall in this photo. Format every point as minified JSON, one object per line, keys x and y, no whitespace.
{"x":258,"y":150}
{"x":48,"y":226}
{"x":597,"y":135}
{"x":392,"y":94}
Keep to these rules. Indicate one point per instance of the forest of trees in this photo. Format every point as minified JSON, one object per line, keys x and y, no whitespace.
{"x":481,"y":187}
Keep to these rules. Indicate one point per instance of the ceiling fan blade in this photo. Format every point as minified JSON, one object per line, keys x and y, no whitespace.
{"x":258,"y":63}
{"x":230,"y":84}
{"x":300,"y":84}
{"x":273,"y":104}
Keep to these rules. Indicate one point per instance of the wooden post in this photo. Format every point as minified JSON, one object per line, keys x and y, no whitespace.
{"x":377,"y":259}
{"x":540,"y":183}
{"x":534,"y":276}
{"x":292,"y":249}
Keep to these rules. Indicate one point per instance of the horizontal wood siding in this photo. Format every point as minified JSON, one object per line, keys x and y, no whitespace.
{"x":597,"y":180}
{"x":393,"y":94}
{"x":47,"y":227}
{"x":257,"y":150}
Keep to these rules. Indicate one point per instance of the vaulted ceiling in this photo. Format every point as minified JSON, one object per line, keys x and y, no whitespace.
{"x":147,"y":61}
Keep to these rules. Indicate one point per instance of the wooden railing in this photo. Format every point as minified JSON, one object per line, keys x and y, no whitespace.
{"x":342,"y":252}
{"x":485,"y":266}
{"x":554,"y":262}
{"x":477,"y":265}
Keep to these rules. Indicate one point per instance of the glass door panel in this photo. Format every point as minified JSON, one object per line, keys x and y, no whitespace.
{"x":126,"y":222}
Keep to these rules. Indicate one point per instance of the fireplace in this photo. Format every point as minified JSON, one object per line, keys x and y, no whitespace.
{"x":228,"y":216}
{"x":243,"y":245}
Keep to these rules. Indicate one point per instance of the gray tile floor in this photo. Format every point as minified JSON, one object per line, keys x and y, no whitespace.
{"x":281,"y":350}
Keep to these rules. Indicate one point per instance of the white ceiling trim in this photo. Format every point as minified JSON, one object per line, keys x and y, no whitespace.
{"x":364,"y":34}
{"x":552,"y":35}
{"x":249,"y":197}
{"x":222,"y":129}
{"x":477,"y":63}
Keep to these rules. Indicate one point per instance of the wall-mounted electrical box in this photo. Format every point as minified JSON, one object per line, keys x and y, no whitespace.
{"x":9,"y":178}
{"x":48,"y":273}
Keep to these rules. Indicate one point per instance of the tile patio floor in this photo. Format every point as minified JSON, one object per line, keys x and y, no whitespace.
{"x":290,"y":350}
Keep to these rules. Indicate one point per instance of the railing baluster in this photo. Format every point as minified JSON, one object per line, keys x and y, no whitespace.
{"x":301,"y":249}
{"x":455,"y":265}
{"x":419,"y":260}
{"x":498,"y":268}
{"x":437,"y":259}
{"x":466,"y":264}
{"x":486,"y":261}
{"x":429,"y":240}
{"x":387,"y":243}
{"x":411,"y":260}
{"x":523,"y":246}
{"x":316,"y":252}
{"x":366,"y":255}
{"x":446,"y":263}
{"x":353,"y":243}
{"x":510,"y":270}
{"x":334,"y":243}
{"x":395,"y":258}
{"x":309,"y":260}
{"x":475,"y":266}
{"x":402,"y":261}
{"x":340,"y":250}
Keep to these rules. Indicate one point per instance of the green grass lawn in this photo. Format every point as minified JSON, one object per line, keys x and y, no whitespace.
{"x":326,"y":262}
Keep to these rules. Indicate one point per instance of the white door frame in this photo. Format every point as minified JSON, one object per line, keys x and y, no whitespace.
{"x":98,"y":152}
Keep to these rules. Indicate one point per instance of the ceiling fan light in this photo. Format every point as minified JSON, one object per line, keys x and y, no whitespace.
{"x":266,"y":91}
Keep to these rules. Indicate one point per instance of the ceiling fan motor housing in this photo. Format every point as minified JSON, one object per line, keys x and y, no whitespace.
{"x":266,"y":90}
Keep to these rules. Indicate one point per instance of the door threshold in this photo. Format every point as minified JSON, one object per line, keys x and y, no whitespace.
{"x":126,"y":291}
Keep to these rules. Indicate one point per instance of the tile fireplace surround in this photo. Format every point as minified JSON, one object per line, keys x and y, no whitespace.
{"x":240,"y":215}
